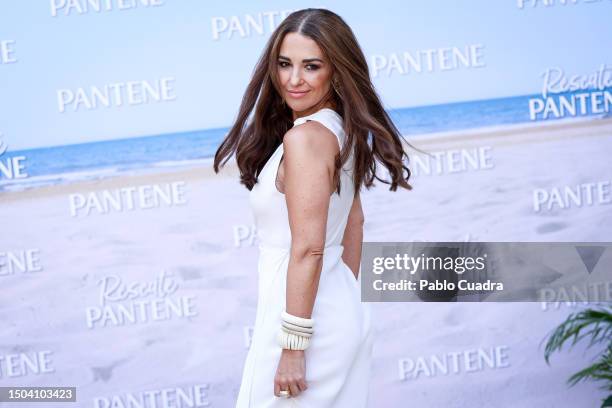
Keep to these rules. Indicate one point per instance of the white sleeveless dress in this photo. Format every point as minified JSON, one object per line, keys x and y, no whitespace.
{"x":338,"y":359}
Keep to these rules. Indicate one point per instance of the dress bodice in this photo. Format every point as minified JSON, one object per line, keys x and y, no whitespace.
{"x":270,"y":208}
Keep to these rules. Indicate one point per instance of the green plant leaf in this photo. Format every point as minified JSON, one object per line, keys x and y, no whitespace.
{"x":594,"y":325}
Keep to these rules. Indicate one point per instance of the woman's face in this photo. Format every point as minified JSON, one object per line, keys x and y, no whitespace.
{"x":304,"y":73}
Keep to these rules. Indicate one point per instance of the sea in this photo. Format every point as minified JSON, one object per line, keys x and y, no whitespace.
{"x":160,"y":153}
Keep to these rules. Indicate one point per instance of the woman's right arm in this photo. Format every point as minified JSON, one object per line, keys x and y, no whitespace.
{"x":353,"y":237}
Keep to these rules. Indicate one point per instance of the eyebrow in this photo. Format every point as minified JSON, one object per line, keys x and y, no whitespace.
{"x":304,"y":60}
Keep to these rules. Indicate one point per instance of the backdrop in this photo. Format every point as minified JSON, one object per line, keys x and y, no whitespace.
{"x":128,"y":268}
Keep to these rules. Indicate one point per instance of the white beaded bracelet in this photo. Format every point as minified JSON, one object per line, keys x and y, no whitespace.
{"x":296,"y":328}
{"x":295,"y":332}
{"x":300,"y":321}
{"x":283,"y":328}
{"x":292,"y":341}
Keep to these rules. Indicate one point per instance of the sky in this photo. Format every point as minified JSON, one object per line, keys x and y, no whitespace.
{"x":175,"y":39}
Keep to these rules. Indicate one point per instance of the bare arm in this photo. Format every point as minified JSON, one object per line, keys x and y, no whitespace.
{"x":310,"y":151}
{"x":353,"y":237}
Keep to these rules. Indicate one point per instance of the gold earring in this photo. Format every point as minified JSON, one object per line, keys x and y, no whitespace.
{"x":336,"y":87}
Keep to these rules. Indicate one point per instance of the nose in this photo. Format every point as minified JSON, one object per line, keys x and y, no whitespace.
{"x":296,"y":77}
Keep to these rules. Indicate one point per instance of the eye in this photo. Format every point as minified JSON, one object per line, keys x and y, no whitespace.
{"x":313,"y":67}
{"x":280,"y":63}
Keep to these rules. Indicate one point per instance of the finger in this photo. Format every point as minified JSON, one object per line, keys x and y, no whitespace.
{"x":299,"y":384}
{"x":276,"y":388}
{"x":282,"y":385}
{"x":294,"y":389}
{"x":303,"y":386}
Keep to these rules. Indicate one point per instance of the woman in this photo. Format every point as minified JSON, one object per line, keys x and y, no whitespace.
{"x":304,"y":156}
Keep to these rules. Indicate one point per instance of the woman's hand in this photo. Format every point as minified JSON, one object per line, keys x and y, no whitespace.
{"x":291,"y":373}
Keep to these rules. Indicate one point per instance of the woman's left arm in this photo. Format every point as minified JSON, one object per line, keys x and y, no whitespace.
{"x":309,"y":154}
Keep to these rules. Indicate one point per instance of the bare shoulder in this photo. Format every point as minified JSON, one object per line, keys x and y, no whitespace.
{"x":311,"y":137}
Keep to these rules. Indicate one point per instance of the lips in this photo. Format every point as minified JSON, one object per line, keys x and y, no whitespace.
{"x":296,"y":94}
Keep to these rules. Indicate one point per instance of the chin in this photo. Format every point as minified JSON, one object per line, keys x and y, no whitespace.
{"x":300,"y":106}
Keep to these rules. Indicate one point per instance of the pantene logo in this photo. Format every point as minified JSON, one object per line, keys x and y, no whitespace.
{"x":80,"y":7}
{"x":184,"y":396}
{"x":115,"y":95}
{"x":530,"y":4}
{"x":572,"y":196}
{"x":244,"y":235}
{"x":572,"y":94}
{"x":246,"y":25}
{"x":454,"y":363}
{"x":20,"y":262}
{"x":452,"y":161}
{"x":26,"y":364}
{"x":11,"y":168}
{"x":8,"y":52}
{"x":124,"y":302}
{"x":127,"y":199}
{"x":428,"y":60}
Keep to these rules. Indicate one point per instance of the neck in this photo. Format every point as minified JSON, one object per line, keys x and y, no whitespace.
{"x":326,"y":104}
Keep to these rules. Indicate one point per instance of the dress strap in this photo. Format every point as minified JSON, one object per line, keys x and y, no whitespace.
{"x":328,"y":118}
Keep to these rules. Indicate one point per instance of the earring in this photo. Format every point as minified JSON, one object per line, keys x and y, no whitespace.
{"x":336,"y":86}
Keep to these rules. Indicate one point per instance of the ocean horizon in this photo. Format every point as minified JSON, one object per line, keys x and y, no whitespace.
{"x":143,"y":154}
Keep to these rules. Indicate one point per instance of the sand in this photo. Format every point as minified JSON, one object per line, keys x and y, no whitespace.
{"x":207,"y":246}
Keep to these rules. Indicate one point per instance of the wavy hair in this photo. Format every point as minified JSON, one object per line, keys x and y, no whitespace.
{"x":371,"y":134}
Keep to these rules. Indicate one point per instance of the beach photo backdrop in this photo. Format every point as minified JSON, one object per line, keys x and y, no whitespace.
{"x":128,"y":267}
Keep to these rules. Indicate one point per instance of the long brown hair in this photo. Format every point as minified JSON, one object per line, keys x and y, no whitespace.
{"x":370,"y":132}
